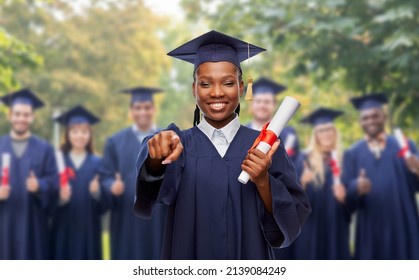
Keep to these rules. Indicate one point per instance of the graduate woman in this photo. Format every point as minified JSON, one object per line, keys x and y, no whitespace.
{"x":326,"y":232}
{"x":76,"y":223}
{"x":211,"y":214}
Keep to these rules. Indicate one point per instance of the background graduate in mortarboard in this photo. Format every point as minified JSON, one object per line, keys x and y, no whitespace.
{"x":325,"y":235}
{"x":381,"y":185}
{"x":263,"y":108}
{"x":211,"y":215}
{"x":131,"y":238}
{"x":76,"y":220}
{"x":33,"y":178}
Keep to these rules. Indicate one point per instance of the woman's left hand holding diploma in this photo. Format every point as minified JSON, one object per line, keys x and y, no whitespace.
{"x":257,"y":164}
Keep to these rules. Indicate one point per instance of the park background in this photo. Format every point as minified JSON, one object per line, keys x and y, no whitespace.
{"x":84,"y":51}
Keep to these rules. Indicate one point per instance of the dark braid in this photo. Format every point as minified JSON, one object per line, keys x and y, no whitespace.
{"x":237,"y":111}
{"x":196,"y":116}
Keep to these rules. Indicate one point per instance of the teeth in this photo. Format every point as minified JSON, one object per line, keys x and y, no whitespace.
{"x":217,"y":105}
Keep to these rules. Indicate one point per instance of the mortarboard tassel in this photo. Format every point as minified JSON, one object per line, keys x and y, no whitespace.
{"x":249,"y":90}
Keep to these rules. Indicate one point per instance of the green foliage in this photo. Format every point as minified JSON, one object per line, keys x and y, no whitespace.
{"x":89,"y":56}
{"x":329,"y":50}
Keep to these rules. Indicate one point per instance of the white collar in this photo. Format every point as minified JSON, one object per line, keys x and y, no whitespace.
{"x":135,"y":128}
{"x":229,"y":131}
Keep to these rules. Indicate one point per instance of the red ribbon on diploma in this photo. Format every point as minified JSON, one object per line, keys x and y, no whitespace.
{"x":335,"y":167}
{"x":66,"y":175}
{"x":5,"y":177}
{"x":403,"y":151}
{"x":267,"y":136}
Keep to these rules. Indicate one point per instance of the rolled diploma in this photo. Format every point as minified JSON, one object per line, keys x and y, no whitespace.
{"x":5,"y":166}
{"x":336,"y":177}
{"x":289,"y":142}
{"x":60,"y":163}
{"x":402,"y":141}
{"x":285,"y":112}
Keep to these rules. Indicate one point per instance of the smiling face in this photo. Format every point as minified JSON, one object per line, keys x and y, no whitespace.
{"x":326,"y":135}
{"x":21,"y":117}
{"x":217,"y":89}
{"x":263,"y":106}
{"x":142,"y":114}
{"x":79,"y":136}
{"x":373,"y":121}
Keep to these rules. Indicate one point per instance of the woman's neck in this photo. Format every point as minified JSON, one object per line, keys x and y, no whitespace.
{"x":77,"y":151}
{"x":221,"y":123}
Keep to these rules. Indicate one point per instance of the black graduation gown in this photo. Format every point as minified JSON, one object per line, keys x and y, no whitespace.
{"x":387,"y":218}
{"x":76,"y":225}
{"x":131,"y":237}
{"x":211,"y":214}
{"x":325,"y":235}
{"x":24,"y":215}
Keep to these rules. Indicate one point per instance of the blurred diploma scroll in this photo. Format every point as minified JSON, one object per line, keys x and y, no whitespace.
{"x":285,"y":112}
{"x":289,"y":144}
{"x":5,"y":169}
{"x":61,"y":169}
{"x":403,"y":143}
{"x":335,"y":168}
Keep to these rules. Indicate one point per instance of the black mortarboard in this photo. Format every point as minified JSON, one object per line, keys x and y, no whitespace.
{"x":370,"y":101}
{"x":77,"y":115}
{"x":321,"y":116}
{"x":266,"y":86}
{"x":23,"y":96}
{"x":141,"y":94}
{"x":214,"y":46}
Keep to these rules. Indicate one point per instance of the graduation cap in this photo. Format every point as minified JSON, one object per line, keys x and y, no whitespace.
{"x":214,"y":46}
{"x":77,"y":115}
{"x":321,"y":116}
{"x":141,"y":94}
{"x":370,"y":101}
{"x":24,"y":96}
{"x":266,"y":86}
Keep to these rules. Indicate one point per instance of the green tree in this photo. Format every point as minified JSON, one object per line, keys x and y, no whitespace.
{"x":90,"y":54}
{"x":342,"y":47}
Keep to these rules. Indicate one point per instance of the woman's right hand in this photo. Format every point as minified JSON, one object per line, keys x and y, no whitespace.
{"x":165,"y":146}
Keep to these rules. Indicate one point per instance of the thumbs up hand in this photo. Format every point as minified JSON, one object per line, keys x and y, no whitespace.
{"x":32,"y":184}
{"x":364,"y":184}
{"x":307,"y":176}
{"x":4,"y":193}
{"x":94,"y":185}
{"x":118,"y":187}
{"x":65,"y":195}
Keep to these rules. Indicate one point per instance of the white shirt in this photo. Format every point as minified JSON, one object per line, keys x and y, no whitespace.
{"x":220,"y":138}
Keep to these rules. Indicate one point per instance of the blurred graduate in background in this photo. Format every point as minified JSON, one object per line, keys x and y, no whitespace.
{"x":76,"y":223}
{"x":29,"y":179}
{"x":131,"y":237}
{"x":381,"y":185}
{"x":326,"y":232}
{"x":264,"y":106}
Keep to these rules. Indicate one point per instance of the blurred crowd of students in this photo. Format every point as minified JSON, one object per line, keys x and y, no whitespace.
{"x":373,"y":183}
{"x":51,"y":202}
